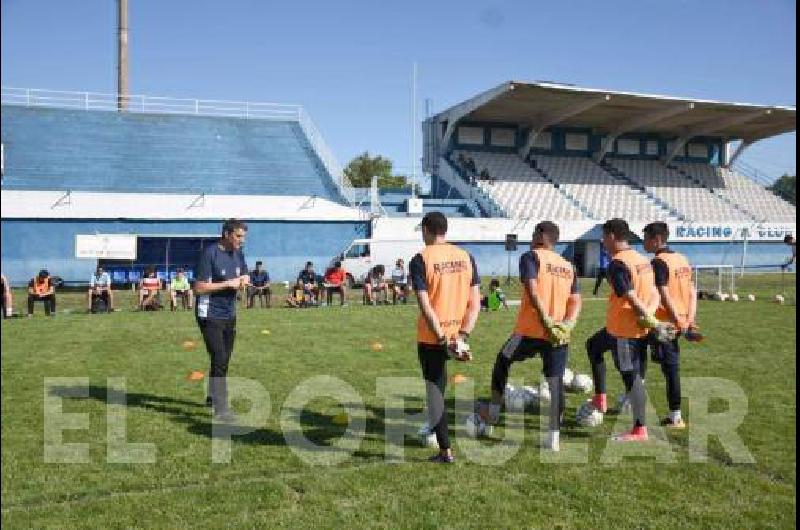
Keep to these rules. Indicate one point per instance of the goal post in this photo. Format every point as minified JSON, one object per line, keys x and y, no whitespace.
{"x":715,"y":278}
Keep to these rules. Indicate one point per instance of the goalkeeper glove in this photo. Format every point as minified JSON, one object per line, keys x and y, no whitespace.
{"x":560,"y":333}
{"x":648,"y":321}
{"x":459,"y":348}
{"x":693,"y":334}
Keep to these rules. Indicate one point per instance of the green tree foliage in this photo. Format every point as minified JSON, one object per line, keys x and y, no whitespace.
{"x":786,"y":187}
{"x":362,"y":168}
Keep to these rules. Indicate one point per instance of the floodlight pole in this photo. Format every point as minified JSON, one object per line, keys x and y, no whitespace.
{"x":414,"y":130}
{"x":122,"y":55}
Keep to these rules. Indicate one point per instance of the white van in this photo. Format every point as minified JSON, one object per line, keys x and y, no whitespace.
{"x":363,"y":254}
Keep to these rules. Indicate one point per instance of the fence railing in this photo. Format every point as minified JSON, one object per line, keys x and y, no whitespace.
{"x":32,"y":97}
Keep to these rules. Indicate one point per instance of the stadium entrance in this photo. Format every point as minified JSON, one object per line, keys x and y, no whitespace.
{"x":164,"y":254}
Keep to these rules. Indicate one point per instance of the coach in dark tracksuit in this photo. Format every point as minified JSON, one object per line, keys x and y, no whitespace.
{"x":220,"y":274}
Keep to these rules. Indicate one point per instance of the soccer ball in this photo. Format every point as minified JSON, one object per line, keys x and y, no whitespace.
{"x":779,"y":299}
{"x":751,"y":297}
{"x":544,"y":391}
{"x":476,"y":427}
{"x":723,"y":297}
{"x":516,"y":400}
{"x":582,"y":383}
{"x":427,"y":437}
{"x":587,"y":415}
{"x":531,"y":394}
{"x":568,"y":376}
{"x":734,"y":297}
{"x":718,"y":296}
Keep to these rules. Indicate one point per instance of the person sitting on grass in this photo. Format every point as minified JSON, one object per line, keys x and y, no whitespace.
{"x":336,"y":282}
{"x":496,"y":297}
{"x":375,"y":286}
{"x":309,"y":279}
{"x":149,"y":288}
{"x":8,"y":303}
{"x":179,"y":288}
{"x":399,"y":282}
{"x":297,"y":295}
{"x":41,"y":289}
{"x":259,"y":287}
{"x":100,"y":287}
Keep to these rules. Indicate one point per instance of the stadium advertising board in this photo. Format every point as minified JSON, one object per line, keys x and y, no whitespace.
{"x":105,"y":246}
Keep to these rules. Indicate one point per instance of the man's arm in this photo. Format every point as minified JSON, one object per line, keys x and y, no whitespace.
{"x":669,"y":305}
{"x":693,"y":307}
{"x":473,"y":310}
{"x":425,"y":307}
{"x":530,"y":292}
{"x":202,"y":287}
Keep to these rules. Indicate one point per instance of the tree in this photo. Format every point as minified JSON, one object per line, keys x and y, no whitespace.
{"x":362,"y":168}
{"x":786,"y":187}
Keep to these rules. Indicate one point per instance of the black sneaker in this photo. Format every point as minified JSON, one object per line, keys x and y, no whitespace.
{"x":439,"y":458}
{"x":209,"y":401}
{"x":673,"y":424}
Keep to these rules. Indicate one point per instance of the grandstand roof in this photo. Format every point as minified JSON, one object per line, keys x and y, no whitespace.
{"x":545,"y":104}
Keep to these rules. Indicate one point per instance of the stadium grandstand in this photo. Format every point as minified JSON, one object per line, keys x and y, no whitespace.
{"x":162,"y":172}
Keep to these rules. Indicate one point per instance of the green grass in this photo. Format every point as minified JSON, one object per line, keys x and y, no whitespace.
{"x":267,"y":485}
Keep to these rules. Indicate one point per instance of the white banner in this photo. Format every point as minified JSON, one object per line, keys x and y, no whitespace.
{"x":105,"y":246}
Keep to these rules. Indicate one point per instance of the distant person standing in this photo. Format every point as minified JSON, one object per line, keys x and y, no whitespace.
{"x":447,"y":284}
{"x":792,"y":243}
{"x":221,"y":272}
{"x":8,"y":304}
{"x":602,"y":268}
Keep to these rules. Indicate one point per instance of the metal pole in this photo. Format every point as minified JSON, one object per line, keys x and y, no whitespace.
{"x":122,"y":57}
{"x":414,"y":129}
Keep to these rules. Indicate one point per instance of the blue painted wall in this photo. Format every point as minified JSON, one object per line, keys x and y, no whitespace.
{"x":61,"y":149}
{"x":30,"y":245}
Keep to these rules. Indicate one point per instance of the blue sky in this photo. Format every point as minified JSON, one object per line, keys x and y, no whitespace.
{"x":349,"y":62}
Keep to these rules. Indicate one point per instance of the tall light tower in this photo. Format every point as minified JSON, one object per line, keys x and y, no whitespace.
{"x":122,"y":55}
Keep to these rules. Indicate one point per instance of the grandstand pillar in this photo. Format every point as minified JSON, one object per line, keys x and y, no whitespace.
{"x":729,"y":160}
{"x":122,"y":55}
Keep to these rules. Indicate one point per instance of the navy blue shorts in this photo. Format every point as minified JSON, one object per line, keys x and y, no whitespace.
{"x":629,"y":354}
{"x":554,"y":358}
{"x":665,"y":352}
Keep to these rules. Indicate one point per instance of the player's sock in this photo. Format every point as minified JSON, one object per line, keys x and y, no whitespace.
{"x":552,"y":441}
{"x":600,"y":402}
{"x":675,"y":416}
{"x":637,"y":397}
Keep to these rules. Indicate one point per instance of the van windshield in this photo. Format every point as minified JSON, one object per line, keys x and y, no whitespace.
{"x":358,"y":250}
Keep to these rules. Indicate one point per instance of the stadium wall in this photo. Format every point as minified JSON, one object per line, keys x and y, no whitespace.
{"x":284,"y":246}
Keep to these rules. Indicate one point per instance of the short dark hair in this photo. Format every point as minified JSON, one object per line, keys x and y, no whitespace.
{"x":259,"y":263}
{"x":308,"y":263}
{"x":179,"y":269}
{"x":494,"y":283}
{"x":788,"y":239}
{"x":550,"y":229}
{"x":337,"y":264}
{"x":379,"y":269}
{"x":618,"y":228}
{"x":43,"y":273}
{"x":658,"y":228}
{"x":231,"y":225}
{"x":435,"y":223}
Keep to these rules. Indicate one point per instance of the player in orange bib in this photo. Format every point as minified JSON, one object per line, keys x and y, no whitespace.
{"x":447,"y":284}
{"x":673,"y":277}
{"x":629,"y":317}
{"x":550,"y":307}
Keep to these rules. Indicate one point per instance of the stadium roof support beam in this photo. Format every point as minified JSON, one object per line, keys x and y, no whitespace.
{"x":454,"y":114}
{"x":638,"y":122}
{"x":737,"y":153}
{"x":711,"y":127}
{"x":556,"y":117}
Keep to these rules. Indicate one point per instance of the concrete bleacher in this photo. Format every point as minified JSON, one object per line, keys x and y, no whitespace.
{"x":76,"y":150}
{"x":689,"y":198}
{"x":603,"y":195}
{"x":520,"y":190}
{"x":750,"y":196}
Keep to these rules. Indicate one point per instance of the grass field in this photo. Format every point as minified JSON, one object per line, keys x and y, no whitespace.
{"x":267,"y":485}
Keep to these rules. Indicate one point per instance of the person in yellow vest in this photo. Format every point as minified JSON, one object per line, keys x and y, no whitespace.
{"x":447,"y":284}
{"x":630,"y":316}
{"x":550,"y":307}
{"x":673,"y":277}
{"x":41,"y":289}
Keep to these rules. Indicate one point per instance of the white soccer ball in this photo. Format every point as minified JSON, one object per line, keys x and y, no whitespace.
{"x":531,"y":394}
{"x":476,"y":427}
{"x":582,"y":383}
{"x":587,"y":415}
{"x":568,"y":376}
{"x":286,"y":284}
{"x":779,"y":299}
{"x":517,"y":400}
{"x":734,"y":297}
{"x":508,"y":390}
{"x":751,"y":297}
{"x":724,"y":297}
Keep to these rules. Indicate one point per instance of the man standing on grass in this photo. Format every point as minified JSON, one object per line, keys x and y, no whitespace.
{"x":447,"y":284}
{"x":550,"y":307}
{"x":629,"y":317}
{"x":673,"y":276}
{"x":791,"y":243}
{"x":221,"y":272}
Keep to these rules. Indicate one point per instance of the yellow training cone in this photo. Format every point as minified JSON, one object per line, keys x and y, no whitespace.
{"x":196,"y":375}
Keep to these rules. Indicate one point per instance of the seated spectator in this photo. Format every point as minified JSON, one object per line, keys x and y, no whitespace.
{"x":471,"y":166}
{"x":149,"y":288}
{"x":462,"y":162}
{"x":336,"y":282}
{"x":309,"y":279}
{"x":297,"y":295}
{"x":8,"y":303}
{"x":259,"y":286}
{"x":179,"y":287}
{"x":495,"y":298}
{"x":399,"y":282}
{"x":41,"y":289}
{"x":100,"y":290}
{"x":484,"y":175}
{"x":375,"y":285}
